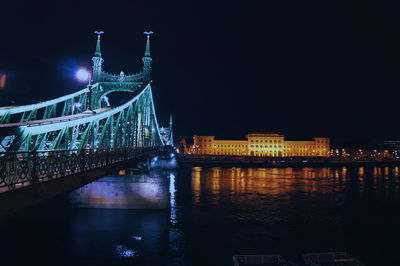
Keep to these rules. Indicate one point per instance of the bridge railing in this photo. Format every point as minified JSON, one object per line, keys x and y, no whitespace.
{"x":20,"y":169}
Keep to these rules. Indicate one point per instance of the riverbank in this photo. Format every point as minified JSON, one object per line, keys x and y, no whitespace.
{"x":275,"y":162}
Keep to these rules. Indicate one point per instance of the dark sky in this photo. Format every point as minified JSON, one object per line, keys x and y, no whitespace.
{"x":225,"y":68}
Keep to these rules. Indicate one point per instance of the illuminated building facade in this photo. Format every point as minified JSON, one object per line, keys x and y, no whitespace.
{"x":392,"y":144}
{"x":260,"y":144}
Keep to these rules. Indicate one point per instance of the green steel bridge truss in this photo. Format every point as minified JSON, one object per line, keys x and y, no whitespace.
{"x":84,"y":119}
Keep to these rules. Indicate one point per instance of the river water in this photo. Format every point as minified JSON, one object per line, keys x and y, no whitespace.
{"x":218,"y":212}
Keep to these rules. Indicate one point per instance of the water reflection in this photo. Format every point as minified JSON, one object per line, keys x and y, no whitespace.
{"x":312,"y":181}
{"x":117,"y":237}
{"x":176,"y":237}
{"x":293,"y":210}
{"x":172,"y":191}
{"x":218,"y":212}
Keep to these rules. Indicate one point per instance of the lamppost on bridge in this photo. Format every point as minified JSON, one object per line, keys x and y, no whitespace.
{"x":85,"y":75}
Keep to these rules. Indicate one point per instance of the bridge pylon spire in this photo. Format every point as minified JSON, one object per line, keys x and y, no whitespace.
{"x":147,"y":59}
{"x":97,"y":60}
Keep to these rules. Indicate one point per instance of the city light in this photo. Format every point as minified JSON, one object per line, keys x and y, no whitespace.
{"x":82,"y":75}
{"x":3,"y":79}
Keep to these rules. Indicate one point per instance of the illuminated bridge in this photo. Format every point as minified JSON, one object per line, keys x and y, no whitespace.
{"x":80,"y":132}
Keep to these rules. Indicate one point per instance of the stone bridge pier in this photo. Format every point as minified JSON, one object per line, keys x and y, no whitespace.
{"x":139,"y":191}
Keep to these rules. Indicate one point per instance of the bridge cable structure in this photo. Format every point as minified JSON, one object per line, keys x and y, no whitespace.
{"x":85,"y":119}
{"x":81,"y":121}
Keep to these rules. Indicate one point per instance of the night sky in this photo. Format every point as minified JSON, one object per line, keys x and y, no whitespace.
{"x":224,"y":68}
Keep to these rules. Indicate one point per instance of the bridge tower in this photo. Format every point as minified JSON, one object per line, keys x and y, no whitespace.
{"x":147,"y":59}
{"x":63,"y":123}
{"x":97,"y":60}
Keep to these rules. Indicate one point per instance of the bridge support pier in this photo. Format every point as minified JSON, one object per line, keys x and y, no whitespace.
{"x":124,"y":192}
{"x":11,"y":202}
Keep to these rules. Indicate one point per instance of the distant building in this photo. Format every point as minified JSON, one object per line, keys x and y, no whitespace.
{"x":260,"y":144}
{"x":382,"y":150}
{"x":392,"y":144}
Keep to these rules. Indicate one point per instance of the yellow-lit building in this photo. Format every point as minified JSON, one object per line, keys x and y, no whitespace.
{"x":260,"y":144}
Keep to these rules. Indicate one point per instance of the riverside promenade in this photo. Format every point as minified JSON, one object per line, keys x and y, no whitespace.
{"x":254,"y":161}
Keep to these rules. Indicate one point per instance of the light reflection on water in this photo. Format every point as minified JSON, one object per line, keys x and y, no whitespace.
{"x":295,"y":210}
{"x":217,"y":212}
{"x":310,"y":181}
{"x":172,"y":191}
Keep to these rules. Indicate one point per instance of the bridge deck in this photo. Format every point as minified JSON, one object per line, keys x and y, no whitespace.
{"x":21,"y":169}
{"x":53,"y":120}
{"x":27,"y":178}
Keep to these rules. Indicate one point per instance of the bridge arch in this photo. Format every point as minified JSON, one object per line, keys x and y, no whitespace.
{"x":131,"y":124}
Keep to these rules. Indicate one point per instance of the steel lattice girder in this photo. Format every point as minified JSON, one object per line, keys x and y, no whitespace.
{"x":133,"y":124}
{"x":6,"y":112}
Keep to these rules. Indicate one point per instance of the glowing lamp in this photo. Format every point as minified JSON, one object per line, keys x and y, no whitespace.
{"x":82,"y":75}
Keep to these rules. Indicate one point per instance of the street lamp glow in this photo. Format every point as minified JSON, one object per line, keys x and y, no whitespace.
{"x":82,"y":75}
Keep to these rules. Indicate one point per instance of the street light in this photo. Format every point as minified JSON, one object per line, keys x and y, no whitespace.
{"x":85,"y":75}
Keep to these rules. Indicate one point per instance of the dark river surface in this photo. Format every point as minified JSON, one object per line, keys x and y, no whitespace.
{"x":218,"y":212}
